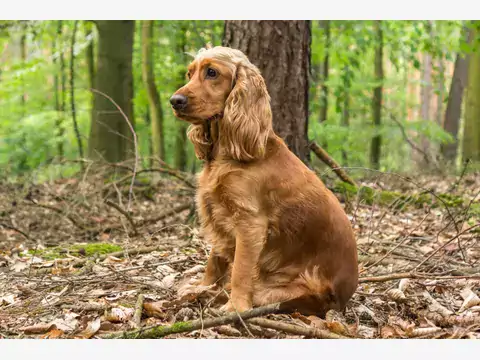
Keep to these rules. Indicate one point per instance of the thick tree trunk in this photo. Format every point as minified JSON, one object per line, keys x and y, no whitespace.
{"x":377,"y":97}
{"x":156,"y":113}
{"x":453,"y":112}
{"x":181,"y":138}
{"x":110,"y":136}
{"x":281,"y":50}
{"x":471,"y":135}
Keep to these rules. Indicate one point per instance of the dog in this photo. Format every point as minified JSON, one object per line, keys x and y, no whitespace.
{"x":277,"y":233}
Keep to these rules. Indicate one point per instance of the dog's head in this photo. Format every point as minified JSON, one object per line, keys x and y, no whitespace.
{"x":224,"y":85}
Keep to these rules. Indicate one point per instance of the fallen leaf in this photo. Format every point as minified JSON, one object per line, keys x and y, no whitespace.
{"x":90,"y":330}
{"x":470,"y":299}
{"x":194,"y":270}
{"x":155,"y":309}
{"x":388,"y":332}
{"x":168,"y":281}
{"x":119,"y":314}
{"x":7,"y":300}
{"x":40,"y":328}
{"x":53,"y":334}
{"x":396,"y":295}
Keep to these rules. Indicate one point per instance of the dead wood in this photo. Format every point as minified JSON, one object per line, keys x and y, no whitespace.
{"x":295,"y":329}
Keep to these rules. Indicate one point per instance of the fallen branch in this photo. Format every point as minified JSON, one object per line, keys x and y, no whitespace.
{"x":166,"y":214}
{"x":327,"y":159}
{"x":295,"y":329}
{"x":124,"y":213}
{"x":413,"y":275}
{"x":137,"y":316}
{"x":15,"y":229}
{"x":156,"y":332}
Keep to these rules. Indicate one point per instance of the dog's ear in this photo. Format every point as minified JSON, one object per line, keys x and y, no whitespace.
{"x":247,"y":118}
{"x":202,"y":146}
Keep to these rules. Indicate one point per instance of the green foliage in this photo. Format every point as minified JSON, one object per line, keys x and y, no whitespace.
{"x":29,"y":134}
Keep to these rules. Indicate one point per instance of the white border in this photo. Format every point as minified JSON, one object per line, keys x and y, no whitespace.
{"x":240,"y":9}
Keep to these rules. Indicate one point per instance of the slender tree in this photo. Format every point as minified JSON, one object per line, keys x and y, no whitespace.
{"x":72,"y":90}
{"x":156,"y":113}
{"x":110,"y":136}
{"x":471,"y":135}
{"x":181,"y":136}
{"x":377,"y":96}
{"x":90,"y":58}
{"x":325,"y":25}
{"x":451,"y":122}
{"x":281,"y":50}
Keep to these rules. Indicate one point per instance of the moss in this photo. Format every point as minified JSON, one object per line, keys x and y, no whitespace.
{"x":83,"y":250}
{"x":159,"y":331}
{"x":451,"y":200}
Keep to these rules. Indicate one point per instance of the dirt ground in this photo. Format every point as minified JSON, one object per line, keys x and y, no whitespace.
{"x":86,"y":258}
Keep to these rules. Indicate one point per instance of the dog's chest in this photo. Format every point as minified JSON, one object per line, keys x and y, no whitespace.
{"x":216,"y":217}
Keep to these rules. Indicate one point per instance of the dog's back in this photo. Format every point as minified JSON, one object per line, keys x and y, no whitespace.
{"x":310,"y":248}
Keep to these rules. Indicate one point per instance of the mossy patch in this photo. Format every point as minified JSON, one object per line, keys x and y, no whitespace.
{"x":86,"y":250}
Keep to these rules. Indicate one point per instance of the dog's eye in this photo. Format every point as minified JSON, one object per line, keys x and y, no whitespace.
{"x":211,"y":73}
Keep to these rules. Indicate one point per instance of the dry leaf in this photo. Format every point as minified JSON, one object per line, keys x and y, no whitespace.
{"x":388,"y":332}
{"x":90,"y":330}
{"x":403,"y":284}
{"x":40,"y":328}
{"x":155,"y":309}
{"x":194,"y":270}
{"x":119,"y":314}
{"x":366,"y":332}
{"x":423,"y":331}
{"x":396,"y":295}
{"x":7,"y":300}
{"x":53,"y":334}
{"x":168,"y":281}
{"x":470,"y":299}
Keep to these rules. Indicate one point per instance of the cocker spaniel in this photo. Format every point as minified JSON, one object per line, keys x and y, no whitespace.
{"x":277,"y":233}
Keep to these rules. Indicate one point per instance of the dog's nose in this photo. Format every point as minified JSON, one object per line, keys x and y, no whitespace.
{"x":178,"y":101}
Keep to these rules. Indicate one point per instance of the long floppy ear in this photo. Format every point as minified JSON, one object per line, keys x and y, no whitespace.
{"x":247,"y":118}
{"x":196,"y":135}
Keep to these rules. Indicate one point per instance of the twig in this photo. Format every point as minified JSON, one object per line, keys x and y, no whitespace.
{"x":124,"y":213}
{"x":167,"y":213}
{"x":130,"y":192}
{"x":295,"y":329}
{"x":59,"y":211}
{"x":155,"y":332}
{"x":413,"y":275}
{"x":395,"y":247}
{"x":443,"y":246}
{"x":327,"y":159}
{"x":16,"y":230}
{"x":137,"y":316}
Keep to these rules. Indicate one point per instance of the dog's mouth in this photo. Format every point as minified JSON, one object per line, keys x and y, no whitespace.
{"x":196,"y":120}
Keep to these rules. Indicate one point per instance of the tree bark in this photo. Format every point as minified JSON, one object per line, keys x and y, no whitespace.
{"x":110,"y":137}
{"x":471,"y":135}
{"x":345,"y":119}
{"x":56,"y":93}
{"x":63,"y":89}
{"x":181,"y":138}
{"x":156,"y":113}
{"x":72,"y":90}
{"x":90,"y":59}
{"x":281,"y":50}
{"x":377,"y":97}
{"x":453,"y":112}
{"x":325,"y":25}
{"x":23,"y":97}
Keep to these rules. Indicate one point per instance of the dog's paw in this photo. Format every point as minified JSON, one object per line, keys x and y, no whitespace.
{"x":193,"y":287}
{"x":229,"y":307}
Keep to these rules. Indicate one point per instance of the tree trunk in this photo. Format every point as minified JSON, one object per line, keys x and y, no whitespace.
{"x":56,"y":92}
{"x":345,"y":120}
{"x":156,"y":114}
{"x":471,"y":135}
{"x":281,"y":50}
{"x":181,"y":138}
{"x":23,"y":97}
{"x":377,"y":96}
{"x":453,"y":112}
{"x":90,"y":56}
{"x":72,"y":90}
{"x":63,"y":88}
{"x":325,"y":25}
{"x":110,"y":136}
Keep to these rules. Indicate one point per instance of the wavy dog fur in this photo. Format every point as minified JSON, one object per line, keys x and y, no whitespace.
{"x":277,"y":233}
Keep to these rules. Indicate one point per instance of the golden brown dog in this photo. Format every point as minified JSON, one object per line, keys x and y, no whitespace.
{"x":277,"y":233}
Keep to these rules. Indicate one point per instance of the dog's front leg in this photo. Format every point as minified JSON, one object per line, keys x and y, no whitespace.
{"x":250,"y":238}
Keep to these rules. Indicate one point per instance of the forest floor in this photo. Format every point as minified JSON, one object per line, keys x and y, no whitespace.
{"x":75,"y":264}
